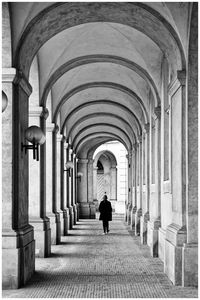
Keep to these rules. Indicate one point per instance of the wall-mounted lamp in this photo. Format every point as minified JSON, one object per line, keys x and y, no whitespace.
{"x":79,"y":175}
{"x":69,"y":165}
{"x":35,"y":136}
{"x":4,"y":101}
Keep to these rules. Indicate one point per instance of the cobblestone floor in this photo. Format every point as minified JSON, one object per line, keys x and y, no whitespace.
{"x":90,"y":265}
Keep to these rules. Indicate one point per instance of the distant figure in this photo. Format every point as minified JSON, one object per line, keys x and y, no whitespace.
{"x":105,"y":210}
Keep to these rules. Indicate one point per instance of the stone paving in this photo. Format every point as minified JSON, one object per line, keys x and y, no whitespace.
{"x":88,"y":264}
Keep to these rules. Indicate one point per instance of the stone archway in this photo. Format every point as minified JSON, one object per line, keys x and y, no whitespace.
{"x":105,"y":174}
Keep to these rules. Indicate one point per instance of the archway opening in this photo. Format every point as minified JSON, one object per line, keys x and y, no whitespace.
{"x":110,"y":175}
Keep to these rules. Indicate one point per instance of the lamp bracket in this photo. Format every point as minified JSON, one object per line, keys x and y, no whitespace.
{"x":34,"y":147}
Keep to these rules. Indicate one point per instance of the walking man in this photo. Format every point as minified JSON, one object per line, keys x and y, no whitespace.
{"x":105,"y":210}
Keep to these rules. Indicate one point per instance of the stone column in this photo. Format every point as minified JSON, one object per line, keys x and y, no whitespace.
{"x":37,"y":189}
{"x":113,"y":174}
{"x":54,"y":185}
{"x":176,"y":231}
{"x":145,"y":206}
{"x":95,"y":200}
{"x":74,"y":187}
{"x":64,"y":210}
{"x":129,"y":207}
{"x":67,"y":185}
{"x":134,"y":190}
{"x":18,"y":245}
{"x":190,"y":248}
{"x":83,"y":189}
{"x":59,"y":178}
{"x":76,"y":200}
{"x":154,"y":222}
{"x":70,"y":188}
{"x":90,"y":189}
{"x":138,"y":212}
{"x":49,"y":177}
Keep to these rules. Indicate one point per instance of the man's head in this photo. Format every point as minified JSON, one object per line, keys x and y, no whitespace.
{"x":105,"y":197}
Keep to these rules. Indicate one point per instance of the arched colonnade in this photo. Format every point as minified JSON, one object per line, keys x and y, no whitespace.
{"x":89,"y":73}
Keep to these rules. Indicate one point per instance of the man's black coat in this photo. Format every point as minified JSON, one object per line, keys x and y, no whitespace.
{"x":105,"y":210}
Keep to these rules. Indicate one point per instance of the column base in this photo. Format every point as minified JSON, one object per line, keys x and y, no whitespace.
{"x":64,"y":215}
{"x":18,"y":257}
{"x":62,"y":222}
{"x":71,"y":217}
{"x":133,"y":211}
{"x":129,"y":209}
{"x":65,"y":221}
{"x":175,"y":237}
{"x":143,"y":227}
{"x":190,"y":265}
{"x":75,"y":214}
{"x":138,"y":214}
{"x":96,"y":203}
{"x":152,"y":236}
{"x":77,"y":209}
{"x":87,"y":210}
{"x":53,"y":225}
{"x":42,"y":233}
{"x":92,"y":210}
{"x":58,"y":228}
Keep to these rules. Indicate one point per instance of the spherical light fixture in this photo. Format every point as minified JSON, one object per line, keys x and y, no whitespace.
{"x":4,"y":101}
{"x":36,"y":137}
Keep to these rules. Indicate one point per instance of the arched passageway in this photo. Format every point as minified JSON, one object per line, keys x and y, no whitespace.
{"x":132,"y":81}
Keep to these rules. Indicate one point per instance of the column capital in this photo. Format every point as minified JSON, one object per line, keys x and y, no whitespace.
{"x":49,"y":127}
{"x":35,"y":111}
{"x":140,"y":138}
{"x":59,"y":138}
{"x":180,"y":80}
{"x":45,"y":113}
{"x":157,"y":113}
{"x":70,"y":151}
{"x":90,"y":160}
{"x":21,"y":80}
{"x":56,"y":128}
{"x":146,"y":128}
{"x":83,"y":160}
{"x":65,"y":146}
{"x":8,"y":75}
{"x":63,"y":139}
{"x":135,"y":146}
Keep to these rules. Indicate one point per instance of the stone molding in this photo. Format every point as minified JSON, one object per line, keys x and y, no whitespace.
{"x":83,"y":160}
{"x":59,"y":137}
{"x":45,"y":113}
{"x":63,"y":139}
{"x":35,"y":111}
{"x":157,"y":113}
{"x":50,"y":127}
{"x":176,"y":234}
{"x":179,"y":81}
{"x":8,"y":74}
{"x":56,"y":129}
{"x":22,"y":81}
{"x":146,"y":128}
{"x":66,"y":146}
{"x":90,"y":161}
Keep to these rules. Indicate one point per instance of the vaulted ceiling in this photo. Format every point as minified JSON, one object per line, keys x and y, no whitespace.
{"x":97,"y":66}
